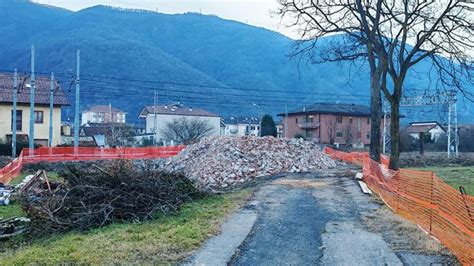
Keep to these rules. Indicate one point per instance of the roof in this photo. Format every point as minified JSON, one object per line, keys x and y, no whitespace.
{"x":422,"y":127}
{"x":176,"y":110}
{"x":234,"y":120}
{"x":103,"y":109}
{"x":42,"y":90}
{"x":332,"y":108}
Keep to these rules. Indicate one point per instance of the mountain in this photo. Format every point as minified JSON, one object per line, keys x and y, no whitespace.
{"x":203,"y":61}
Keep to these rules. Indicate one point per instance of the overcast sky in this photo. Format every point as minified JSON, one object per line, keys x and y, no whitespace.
{"x":253,"y":12}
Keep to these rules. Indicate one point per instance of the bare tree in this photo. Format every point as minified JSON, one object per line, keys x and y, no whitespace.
{"x":393,"y":36}
{"x":414,"y":31}
{"x":357,"y":31}
{"x":187,"y":131}
{"x":119,"y":135}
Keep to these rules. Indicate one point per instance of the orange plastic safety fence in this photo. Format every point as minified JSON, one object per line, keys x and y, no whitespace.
{"x":422,"y":197}
{"x":58,"y":154}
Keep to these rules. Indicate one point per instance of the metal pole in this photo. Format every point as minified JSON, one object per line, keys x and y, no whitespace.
{"x":51,"y":109}
{"x":76,"y":114}
{"x":155,"y":96}
{"x":449,"y":130}
{"x":456,"y":135}
{"x":285,"y":122}
{"x":15,"y":91}
{"x":31,"y":143}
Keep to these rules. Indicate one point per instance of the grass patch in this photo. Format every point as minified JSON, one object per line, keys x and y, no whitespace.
{"x":168,"y":239}
{"x":455,"y":176}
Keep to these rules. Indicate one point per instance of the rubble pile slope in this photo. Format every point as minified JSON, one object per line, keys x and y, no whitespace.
{"x":219,"y":162}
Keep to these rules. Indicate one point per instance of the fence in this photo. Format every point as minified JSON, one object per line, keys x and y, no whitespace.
{"x":61,"y":154}
{"x":423,"y":198}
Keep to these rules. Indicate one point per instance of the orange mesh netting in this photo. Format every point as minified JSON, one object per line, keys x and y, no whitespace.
{"x":423,"y":198}
{"x":57,"y":154}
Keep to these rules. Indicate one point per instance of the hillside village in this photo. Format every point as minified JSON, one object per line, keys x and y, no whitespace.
{"x":131,"y":136}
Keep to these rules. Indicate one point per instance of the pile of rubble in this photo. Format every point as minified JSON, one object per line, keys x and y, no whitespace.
{"x":219,"y":162}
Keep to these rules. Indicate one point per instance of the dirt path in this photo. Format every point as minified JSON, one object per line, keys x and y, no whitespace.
{"x":322,"y":219}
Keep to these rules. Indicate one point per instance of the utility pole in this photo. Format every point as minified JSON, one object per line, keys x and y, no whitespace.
{"x":450,"y":99}
{"x":453,"y":141}
{"x":155,"y":122}
{"x":31,"y":143}
{"x":76,"y":114}
{"x":15,"y":91}
{"x":51,"y":109}
{"x":285,"y":122}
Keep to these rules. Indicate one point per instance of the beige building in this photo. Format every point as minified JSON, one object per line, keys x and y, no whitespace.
{"x":42,"y":112}
{"x":102,"y":114}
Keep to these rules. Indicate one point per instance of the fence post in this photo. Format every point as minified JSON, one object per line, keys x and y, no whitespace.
{"x":431,"y":201}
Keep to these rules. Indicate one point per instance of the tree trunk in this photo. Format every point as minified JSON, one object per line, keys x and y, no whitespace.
{"x":376,"y":117}
{"x":395,"y":135}
{"x":422,"y":137}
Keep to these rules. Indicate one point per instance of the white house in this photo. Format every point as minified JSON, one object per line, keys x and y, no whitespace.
{"x":433,"y":128}
{"x":242,"y":126}
{"x":173,"y":112}
{"x":102,"y":114}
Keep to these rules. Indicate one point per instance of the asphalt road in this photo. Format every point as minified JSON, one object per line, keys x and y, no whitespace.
{"x":307,"y":219}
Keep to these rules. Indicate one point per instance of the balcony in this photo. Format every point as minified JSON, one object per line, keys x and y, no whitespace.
{"x":308,"y":125}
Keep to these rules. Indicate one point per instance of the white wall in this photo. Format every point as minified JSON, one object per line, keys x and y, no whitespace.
{"x":162,"y":120}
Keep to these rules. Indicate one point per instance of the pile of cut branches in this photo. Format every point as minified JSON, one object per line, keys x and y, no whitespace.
{"x":100,"y":195}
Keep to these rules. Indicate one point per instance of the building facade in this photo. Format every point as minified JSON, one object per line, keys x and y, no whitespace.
{"x":102,"y":114}
{"x":242,"y":126}
{"x":328,"y":123}
{"x":41,"y":109}
{"x":173,"y":113}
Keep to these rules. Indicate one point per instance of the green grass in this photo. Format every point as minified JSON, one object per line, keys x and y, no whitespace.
{"x":165,"y":240}
{"x":52,"y":176}
{"x":455,"y":176}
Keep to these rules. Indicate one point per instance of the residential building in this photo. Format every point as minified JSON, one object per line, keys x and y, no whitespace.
{"x":102,"y":114}
{"x":242,"y":126}
{"x":279,"y":128}
{"x":329,"y":123}
{"x":41,"y":109}
{"x":433,"y":128}
{"x":165,"y":114}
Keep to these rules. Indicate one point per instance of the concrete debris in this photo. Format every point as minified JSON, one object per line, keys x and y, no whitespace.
{"x":220,"y":162}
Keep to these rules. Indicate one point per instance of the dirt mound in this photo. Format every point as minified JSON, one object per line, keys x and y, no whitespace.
{"x":219,"y":162}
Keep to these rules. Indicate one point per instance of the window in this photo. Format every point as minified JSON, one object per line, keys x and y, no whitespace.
{"x":339,"y":119}
{"x":350,"y":120}
{"x":19,"y":120}
{"x":38,"y":117}
{"x":296,"y":119}
{"x":252,"y":128}
{"x":338,"y":134}
{"x":368,"y":135}
{"x":368,"y":120}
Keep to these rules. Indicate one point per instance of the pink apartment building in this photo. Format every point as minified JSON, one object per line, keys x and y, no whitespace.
{"x":329,"y":123}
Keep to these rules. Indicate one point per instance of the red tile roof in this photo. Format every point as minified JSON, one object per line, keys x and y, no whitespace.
{"x":42,"y":91}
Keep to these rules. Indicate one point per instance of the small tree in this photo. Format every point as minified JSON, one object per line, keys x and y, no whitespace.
{"x":187,"y":131}
{"x":268,"y":127}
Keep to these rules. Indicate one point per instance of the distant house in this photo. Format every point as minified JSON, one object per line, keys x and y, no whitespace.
{"x":172,"y":113}
{"x":102,"y":114}
{"x":329,"y":123}
{"x":433,"y":128}
{"x":279,"y":128}
{"x":41,"y":110}
{"x":242,"y":126}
